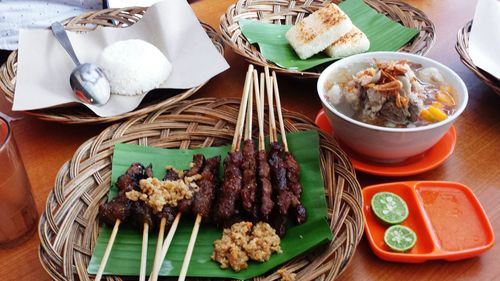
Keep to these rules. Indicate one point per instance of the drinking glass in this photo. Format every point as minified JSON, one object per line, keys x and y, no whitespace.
{"x":18,"y":215}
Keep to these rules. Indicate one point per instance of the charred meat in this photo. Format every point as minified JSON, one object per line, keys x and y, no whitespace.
{"x":248,"y":190}
{"x":231,"y":187}
{"x":265,"y":186}
{"x":204,"y":198}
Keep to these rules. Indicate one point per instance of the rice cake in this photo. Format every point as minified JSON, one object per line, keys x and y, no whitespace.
{"x":351,"y":43}
{"x":317,"y":31}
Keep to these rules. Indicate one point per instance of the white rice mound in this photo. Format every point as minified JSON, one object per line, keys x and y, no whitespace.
{"x":134,"y":67}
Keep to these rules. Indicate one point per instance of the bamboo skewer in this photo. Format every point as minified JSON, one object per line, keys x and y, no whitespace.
{"x":241,"y":115}
{"x":272,"y":122}
{"x":235,"y":146}
{"x":248,"y":126}
{"x":166,"y":245}
{"x":144,"y":252}
{"x":159,"y":243}
{"x":280,"y":113}
{"x":259,"y":106}
{"x":105,"y":257}
{"x":189,"y":251}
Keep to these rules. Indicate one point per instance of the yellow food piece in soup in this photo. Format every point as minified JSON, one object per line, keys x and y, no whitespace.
{"x":445,"y":97}
{"x":438,"y":114}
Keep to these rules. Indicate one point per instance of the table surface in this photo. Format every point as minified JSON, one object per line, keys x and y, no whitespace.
{"x":46,"y":146}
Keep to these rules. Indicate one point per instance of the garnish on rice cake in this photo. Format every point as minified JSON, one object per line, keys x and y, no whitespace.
{"x":317,"y":31}
{"x":351,"y":43}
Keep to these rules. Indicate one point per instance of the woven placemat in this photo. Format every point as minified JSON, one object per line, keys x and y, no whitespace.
{"x":283,"y":11}
{"x":79,"y":114}
{"x":462,"y":48}
{"x":68,"y":227}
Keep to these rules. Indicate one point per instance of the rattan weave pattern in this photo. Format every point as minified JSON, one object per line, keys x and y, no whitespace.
{"x":68,"y":227}
{"x":79,"y":114}
{"x":462,"y":47}
{"x":289,"y":12}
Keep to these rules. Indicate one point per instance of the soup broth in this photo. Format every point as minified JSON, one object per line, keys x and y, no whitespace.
{"x":397,"y":94}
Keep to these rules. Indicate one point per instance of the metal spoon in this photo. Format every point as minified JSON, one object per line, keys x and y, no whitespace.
{"x":87,"y":80}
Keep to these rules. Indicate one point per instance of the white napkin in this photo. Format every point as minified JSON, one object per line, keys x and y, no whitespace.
{"x":484,"y":41}
{"x":44,"y":67}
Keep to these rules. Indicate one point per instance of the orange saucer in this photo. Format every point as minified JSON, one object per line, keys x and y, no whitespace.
{"x":426,"y":161}
{"x":446,"y":216}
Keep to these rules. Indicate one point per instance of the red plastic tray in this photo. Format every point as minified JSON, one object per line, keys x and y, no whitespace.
{"x":446,"y":216}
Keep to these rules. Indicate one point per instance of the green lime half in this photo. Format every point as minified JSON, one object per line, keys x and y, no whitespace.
{"x":400,"y":238}
{"x":389,"y":207}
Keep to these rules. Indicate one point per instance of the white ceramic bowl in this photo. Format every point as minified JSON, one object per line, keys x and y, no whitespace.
{"x":383,"y":144}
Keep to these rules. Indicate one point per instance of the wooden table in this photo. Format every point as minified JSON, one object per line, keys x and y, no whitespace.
{"x":46,"y":146}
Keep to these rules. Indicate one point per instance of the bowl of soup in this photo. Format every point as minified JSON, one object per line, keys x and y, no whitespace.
{"x":389,"y":106}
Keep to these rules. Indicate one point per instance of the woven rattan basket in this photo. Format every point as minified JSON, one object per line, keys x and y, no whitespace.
{"x":68,"y":227}
{"x":462,"y":48}
{"x":288,"y":12}
{"x":79,"y":114}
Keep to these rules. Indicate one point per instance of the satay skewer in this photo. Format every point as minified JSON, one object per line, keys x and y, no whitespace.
{"x":144,"y":252}
{"x":273,"y":137}
{"x":159,"y":242}
{"x":280,"y":113}
{"x":105,"y":257}
{"x":166,"y":245}
{"x":264,"y":184}
{"x":260,"y":112}
{"x":235,"y":146}
{"x":291,"y":165}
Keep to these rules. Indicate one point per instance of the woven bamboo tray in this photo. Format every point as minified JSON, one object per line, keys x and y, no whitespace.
{"x":79,"y":114}
{"x":68,"y":227}
{"x":462,"y":48}
{"x":288,"y":12}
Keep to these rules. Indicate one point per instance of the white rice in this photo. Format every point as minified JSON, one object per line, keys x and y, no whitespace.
{"x":134,"y":67}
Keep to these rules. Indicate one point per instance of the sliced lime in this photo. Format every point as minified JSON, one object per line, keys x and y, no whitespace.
{"x":400,"y":238}
{"x":389,"y":207}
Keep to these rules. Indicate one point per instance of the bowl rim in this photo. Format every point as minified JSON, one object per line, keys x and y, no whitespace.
{"x":462,"y":88}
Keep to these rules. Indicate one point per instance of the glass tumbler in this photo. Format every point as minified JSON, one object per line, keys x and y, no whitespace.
{"x":18,"y":215}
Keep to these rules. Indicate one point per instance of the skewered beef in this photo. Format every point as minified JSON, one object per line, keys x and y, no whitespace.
{"x":278,"y":177}
{"x":126,"y":183}
{"x":292,"y":174}
{"x":185,"y":205}
{"x":167,"y":212}
{"x":249,"y":187}
{"x":148,"y":172}
{"x":204,"y":198}
{"x":278,"y":222}
{"x":278,"y":171}
{"x":299,"y":213}
{"x":230,"y":191}
{"x":136,"y":170}
{"x":141,"y":213}
{"x":171,"y":175}
{"x":196,"y":166}
{"x":265,"y":187}
{"x":117,"y":208}
{"x":120,"y":207}
{"x":293,"y":181}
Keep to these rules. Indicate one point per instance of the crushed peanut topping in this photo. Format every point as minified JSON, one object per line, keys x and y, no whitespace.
{"x":157,"y":193}
{"x":244,"y":241}
{"x":286,"y":275}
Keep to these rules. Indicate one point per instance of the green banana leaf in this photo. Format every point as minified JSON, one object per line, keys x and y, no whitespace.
{"x":125,"y":255}
{"x":384,"y":35}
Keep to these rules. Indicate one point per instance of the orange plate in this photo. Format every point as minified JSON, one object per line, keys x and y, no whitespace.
{"x":446,"y":216}
{"x":426,"y":161}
